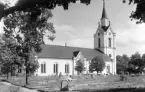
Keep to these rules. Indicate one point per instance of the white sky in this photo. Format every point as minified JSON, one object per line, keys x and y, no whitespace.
{"x":10,"y":2}
{"x":77,"y":25}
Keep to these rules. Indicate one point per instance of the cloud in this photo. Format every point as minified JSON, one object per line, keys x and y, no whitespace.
{"x":63,"y":27}
{"x":66,"y":30}
{"x":73,"y":37}
{"x":131,"y":40}
{"x":85,"y":38}
{"x":9,"y":2}
{"x":64,"y":33}
{"x":85,"y":43}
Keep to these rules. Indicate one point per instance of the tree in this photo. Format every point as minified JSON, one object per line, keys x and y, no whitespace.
{"x":120,"y":66}
{"x":6,"y":61}
{"x":137,"y":63}
{"x":80,"y":67}
{"x":139,"y":13}
{"x":137,"y":55}
{"x":97,"y":64}
{"x":33,"y":65}
{"x":122,"y":63}
{"x":8,"y":57}
{"x":28,"y":31}
{"x":131,"y":68}
{"x":143,"y":57}
{"x":35,"y":6}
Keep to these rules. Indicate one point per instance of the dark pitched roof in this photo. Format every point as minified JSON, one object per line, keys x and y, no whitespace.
{"x":105,"y":28}
{"x":65,"y":52}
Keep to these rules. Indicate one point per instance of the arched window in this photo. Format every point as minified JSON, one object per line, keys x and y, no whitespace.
{"x":19,"y":69}
{"x":66,"y":68}
{"x":43,"y":68}
{"x":110,"y":55}
{"x":55,"y":68}
{"x":98,"y":34}
{"x":99,"y":42}
{"x":109,"y":42}
{"x":108,"y":68}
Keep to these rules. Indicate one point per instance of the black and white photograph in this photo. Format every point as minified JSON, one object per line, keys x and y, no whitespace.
{"x":72,"y":45}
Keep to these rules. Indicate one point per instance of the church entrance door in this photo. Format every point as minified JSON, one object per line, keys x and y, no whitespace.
{"x":108,"y":69}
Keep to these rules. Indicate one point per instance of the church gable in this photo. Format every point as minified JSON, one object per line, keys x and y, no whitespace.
{"x":105,"y":28}
{"x":79,"y":56}
{"x":109,"y":31}
{"x":99,"y":30}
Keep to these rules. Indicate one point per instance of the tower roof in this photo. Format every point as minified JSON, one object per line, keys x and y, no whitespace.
{"x":104,"y":14}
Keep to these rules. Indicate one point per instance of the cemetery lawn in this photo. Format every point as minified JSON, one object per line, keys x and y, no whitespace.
{"x":84,"y":83}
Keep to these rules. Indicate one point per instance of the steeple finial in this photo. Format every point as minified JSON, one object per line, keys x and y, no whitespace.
{"x":65,"y":44}
{"x":103,"y":1}
{"x":104,"y":14}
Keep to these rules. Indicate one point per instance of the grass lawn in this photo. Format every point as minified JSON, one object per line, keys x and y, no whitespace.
{"x":42,"y":83}
{"x":84,"y":83}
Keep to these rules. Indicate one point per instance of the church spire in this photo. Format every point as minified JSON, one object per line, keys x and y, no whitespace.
{"x":104,"y":14}
{"x":105,"y":23}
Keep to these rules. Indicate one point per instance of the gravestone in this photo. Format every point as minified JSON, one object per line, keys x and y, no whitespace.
{"x":64,"y":86}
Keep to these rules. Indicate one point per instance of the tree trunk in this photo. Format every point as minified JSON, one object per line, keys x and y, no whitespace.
{"x":61,"y":85}
{"x":7,"y":75}
{"x":11,"y":71}
{"x":80,"y":73}
{"x":27,"y":75}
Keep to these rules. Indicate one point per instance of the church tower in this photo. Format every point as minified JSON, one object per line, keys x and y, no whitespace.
{"x":104,"y":38}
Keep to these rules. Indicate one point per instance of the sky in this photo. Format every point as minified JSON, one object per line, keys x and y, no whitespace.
{"x":77,"y":25}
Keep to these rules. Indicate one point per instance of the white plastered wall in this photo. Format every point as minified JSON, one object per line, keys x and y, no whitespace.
{"x":50,"y":66}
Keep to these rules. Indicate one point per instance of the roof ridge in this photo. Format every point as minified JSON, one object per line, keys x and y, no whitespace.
{"x":68,"y":46}
{"x":58,"y":51}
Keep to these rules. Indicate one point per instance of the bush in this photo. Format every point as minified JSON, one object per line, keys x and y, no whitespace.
{"x":123,"y":78}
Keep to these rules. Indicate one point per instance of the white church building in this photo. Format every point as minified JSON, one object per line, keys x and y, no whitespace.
{"x":55,"y":59}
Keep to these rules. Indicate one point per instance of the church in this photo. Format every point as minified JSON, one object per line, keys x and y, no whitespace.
{"x":55,"y":59}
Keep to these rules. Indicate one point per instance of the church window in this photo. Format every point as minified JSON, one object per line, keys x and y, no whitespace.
{"x":98,"y":34}
{"x":55,"y":68}
{"x":99,"y":42}
{"x":19,"y":70}
{"x":108,"y":68}
{"x":109,"y":55}
{"x":109,"y":33}
{"x":66,"y":68}
{"x":43,"y":68}
{"x":109,"y":41}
